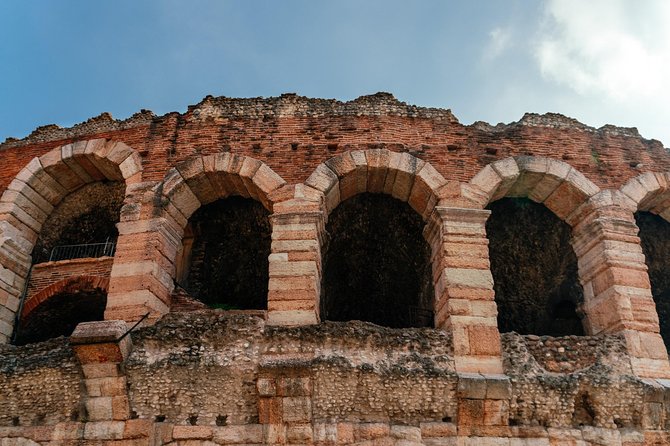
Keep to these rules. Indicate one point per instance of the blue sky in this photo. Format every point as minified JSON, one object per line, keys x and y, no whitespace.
{"x":601,"y":61}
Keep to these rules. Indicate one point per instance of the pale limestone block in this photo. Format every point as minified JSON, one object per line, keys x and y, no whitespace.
{"x":487,"y":180}
{"x":410,"y":433}
{"x":131,"y":165}
{"x":10,"y":196}
{"x":356,"y":181}
{"x":30,"y":193}
{"x":468,"y":278}
{"x":104,"y":430}
{"x":68,"y":431}
{"x":581,"y":183}
{"x":45,"y":185}
{"x":183,"y":198}
{"x":406,"y":167}
{"x":342,"y":165}
{"x":118,"y":152}
{"x":325,"y":180}
{"x":267,"y":180}
{"x":635,"y":190}
{"x":278,"y":257}
{"x":134,"y":300}
{"x":556,"y":173}
{"x":325,"y":433}
{"x":67,"y":156}
{"x":192,"y":171}
{"x":249,"y":168}
{"x":508,"y":171}
{"x":529,"y":442}
{"x":532,"y":170}
{"x":99,"y":408}
{"x":292,"y":317}
{"x":299,"y":433}
{"x":20,"y":215}
{"x":298,"y":268}
{"x":243,"y":434}
{"x":479,"y":364}
{"x":192,"y":432}
{"x":94,"y":146}
{"x":378,"y":162}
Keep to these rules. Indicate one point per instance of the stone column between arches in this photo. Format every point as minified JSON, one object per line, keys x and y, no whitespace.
{"x":464,"y":297}
{"x":617,"y":292}
{"x":141,"y":278}
{"x":298,"y":229}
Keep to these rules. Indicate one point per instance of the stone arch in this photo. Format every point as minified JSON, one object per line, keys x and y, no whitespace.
{"x":535,"y":202}
{"x":554,"y":183}
{"x":201,"y":181}
{"x":68,"y":285}
{"x":649,"y":192}
{"x":399,"y":175}
{"x":34,"y":193}
{"x":204,"y":179}
{"x":648,"y":197}
{"x":58,"y":308}
{"x":378,"y":202}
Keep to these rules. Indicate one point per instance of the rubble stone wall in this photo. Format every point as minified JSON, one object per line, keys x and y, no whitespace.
{"x":216,"y":378}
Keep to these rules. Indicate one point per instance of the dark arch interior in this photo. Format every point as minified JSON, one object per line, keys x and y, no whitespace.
{"x":655,"y":238}
{"x":534,"y":269}
{"x":60,"y":314}
{"x":225,"y":253}
{"x":87,"y":215}
{"x":377,"y":264}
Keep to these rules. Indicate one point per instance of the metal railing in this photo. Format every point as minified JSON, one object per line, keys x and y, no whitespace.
{"x":67,"y":252}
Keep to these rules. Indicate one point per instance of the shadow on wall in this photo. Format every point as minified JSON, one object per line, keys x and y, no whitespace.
{"x":224,"y":259}
{"x":655,"y":239}
{"x":377,"y":264}
{"x":60,"y":314}
{"x":534,"y":269}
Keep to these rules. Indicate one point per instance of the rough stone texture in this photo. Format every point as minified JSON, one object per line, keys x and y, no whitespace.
{"x":88,"y":215}
{"x":229,"y":379}
{"x":40,"y":384}
{"x":578,"y":381}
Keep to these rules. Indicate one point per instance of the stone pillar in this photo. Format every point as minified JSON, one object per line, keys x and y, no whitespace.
{"x":14,"y":267}
{"x":101,"y":349}
{"x":483,"y":404}
{"x":285,"y":405}
{"x":141,"y":280}
{"x":294,"y":290}
{"x":464,"y":297}
{"x":617,"y":292}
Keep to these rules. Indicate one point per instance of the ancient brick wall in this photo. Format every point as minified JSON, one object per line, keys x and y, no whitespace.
{"x":285,"y":375}
{"x":46,"y":274}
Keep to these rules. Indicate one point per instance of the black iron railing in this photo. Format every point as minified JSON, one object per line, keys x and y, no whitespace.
{"x":67,"y":252}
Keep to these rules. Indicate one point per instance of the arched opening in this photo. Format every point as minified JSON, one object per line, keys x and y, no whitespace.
{"x":83,"y":224}
{"x":376,"y":265}
{"x":655,"y":238}
{"x":534,"y":269}
{"x":61,"y":313}
{"x":224,"y":257}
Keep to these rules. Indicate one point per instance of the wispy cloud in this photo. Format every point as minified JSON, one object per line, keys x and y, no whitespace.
{"x":500,"y":39}
{"x":616,"y":48}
